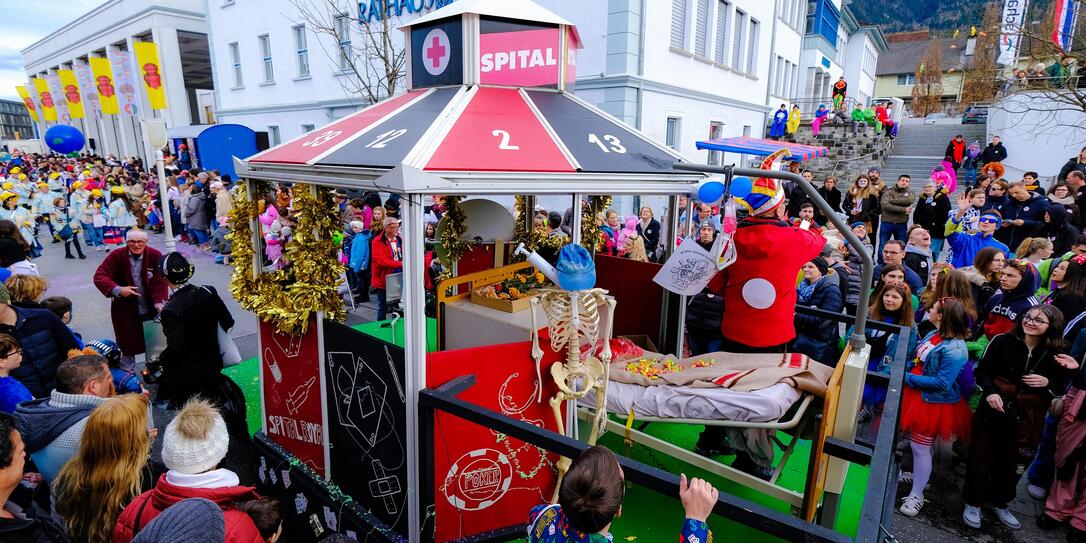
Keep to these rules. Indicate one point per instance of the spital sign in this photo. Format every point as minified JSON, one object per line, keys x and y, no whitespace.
{"x":378,"y":10}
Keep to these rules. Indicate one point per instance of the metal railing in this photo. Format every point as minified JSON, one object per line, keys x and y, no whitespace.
{"x":808,"y":105}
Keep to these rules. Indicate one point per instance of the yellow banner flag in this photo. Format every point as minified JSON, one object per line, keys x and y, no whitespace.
{"x":150,"y":71}
{"x":45,"y":98}
{"x":103,"y":82}
{"x":70,"y":85}
{"x":25,"y":95}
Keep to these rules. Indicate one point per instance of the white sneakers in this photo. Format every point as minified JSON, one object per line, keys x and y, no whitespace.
{"x":971,"y":517}
{"x":910,"y":505}
{"x":1007,"y":518}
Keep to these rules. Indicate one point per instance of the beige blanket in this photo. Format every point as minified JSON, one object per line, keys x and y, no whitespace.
{"x":739,"y":372}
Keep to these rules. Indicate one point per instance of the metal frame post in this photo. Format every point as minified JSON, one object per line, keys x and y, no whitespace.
{"x":414,"y":305}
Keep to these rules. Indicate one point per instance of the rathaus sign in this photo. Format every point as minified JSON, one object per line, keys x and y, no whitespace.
{"x":377,"y":10}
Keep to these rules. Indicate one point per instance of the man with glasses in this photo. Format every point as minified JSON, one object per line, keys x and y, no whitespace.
{"x":132,"y":278}
{"x":965,"y":246}
{"x":894,"y":253}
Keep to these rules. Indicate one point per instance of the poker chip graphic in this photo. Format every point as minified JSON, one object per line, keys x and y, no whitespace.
{"x":478,"y":479}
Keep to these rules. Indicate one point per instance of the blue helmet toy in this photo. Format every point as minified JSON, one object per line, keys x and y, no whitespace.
{"x":108,"y":349}
{"x":575,"y":267}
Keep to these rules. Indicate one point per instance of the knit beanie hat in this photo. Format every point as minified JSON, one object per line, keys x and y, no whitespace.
{"x":195,"y":520}
{"x":821,"y":265}
{"x":196,"y":440}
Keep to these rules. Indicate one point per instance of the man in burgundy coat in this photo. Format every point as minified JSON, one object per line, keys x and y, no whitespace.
{"x":132,"y":277}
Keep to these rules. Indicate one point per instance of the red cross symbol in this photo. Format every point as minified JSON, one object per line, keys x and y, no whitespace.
{"x":436,"y":52}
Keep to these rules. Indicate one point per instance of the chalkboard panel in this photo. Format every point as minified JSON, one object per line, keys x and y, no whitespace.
{"x":312,"y":508}
{"x":367,"y":414}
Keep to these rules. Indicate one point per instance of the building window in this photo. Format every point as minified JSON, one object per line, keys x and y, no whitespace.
{"x":721,"y":53}
{"x":869,"y":61}
{"x":811,"y":6}
{"x":701,"y":29}
{"x":678,"y":24}
{"x":235,"y":59}
{"x":273,"y":135}
{"x":671,"y":138}
{"x":906,"y":79}
{"x":301,"y":51}
{"x":343,"y":34}
{"x":266,"y":57}
{"x":752,"y":48}
{"x":716,"y":130}
{"x":307,"y":128}
{"x":738,"y":37}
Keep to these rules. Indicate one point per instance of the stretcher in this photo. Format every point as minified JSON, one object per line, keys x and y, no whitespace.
{"x":794,"y":421}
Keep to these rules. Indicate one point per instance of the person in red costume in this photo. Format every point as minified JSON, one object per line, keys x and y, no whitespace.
{"x":884,"y":118}
{"x":759,"y":289}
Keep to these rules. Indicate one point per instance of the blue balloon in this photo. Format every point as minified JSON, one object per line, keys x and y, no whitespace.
{"x":741,"y":186}
{"x":64,"y":139}
{"x":710,"y":191}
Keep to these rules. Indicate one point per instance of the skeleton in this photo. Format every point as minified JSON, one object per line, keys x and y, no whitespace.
{"x":572,"y":316}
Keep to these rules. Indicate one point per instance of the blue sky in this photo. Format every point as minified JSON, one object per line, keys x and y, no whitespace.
{"x":25,"y":22}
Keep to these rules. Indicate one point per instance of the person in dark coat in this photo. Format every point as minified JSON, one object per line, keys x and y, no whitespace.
{"x":832,"y":195}
{"x":191,"y":361}
{"x":1058,"y":230}
{"x":706,"y":309}
{"x":816,"y":336}
{"x":45,"y":342}
{"x":994,"y":152}
{"x":1023,"y":215}
{"x":13,"y":247}
{"x":136,"y":298}
{"x":649,"y":230}
{"x":931,"y":211}
{"x":1074,"y":164}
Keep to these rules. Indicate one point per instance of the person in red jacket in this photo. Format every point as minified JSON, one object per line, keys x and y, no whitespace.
{"x":194,"y":444}
{"x":759,"y":289}
{"x":132,"y":277}
{"x":386,"y":256}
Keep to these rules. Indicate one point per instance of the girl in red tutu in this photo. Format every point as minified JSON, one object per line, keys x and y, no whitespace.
{"x":932,"y":404}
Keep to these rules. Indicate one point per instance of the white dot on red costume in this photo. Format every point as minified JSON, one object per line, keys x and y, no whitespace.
{"x":759,"y":293}
{"x":436,"y":51}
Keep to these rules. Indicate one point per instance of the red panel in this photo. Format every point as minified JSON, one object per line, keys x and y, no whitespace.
{"x":290,"y":376}
{"x":498,"y":132}
{"x":484,"y":481}
{"x":312,"y":145}
{"x":640,"y":300}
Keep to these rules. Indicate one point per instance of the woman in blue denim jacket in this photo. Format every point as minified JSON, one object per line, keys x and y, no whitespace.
{"x":932,"y":404}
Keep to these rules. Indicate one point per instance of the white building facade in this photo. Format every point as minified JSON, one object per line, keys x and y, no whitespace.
{"x":835,"y":44}
{"x":179,"y":29}
{"x":680,"y":70}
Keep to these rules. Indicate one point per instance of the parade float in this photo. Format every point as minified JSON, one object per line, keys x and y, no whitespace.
{"x":450,"y":429}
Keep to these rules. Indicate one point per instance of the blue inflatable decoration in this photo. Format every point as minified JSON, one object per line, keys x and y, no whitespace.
{"x":64,"y":139}
{"x":710,"y":192}
{"x":741,"y":186}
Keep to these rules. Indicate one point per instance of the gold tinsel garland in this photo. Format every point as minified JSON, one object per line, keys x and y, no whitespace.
{"x":590,"y":232}
{"x":286,"y":298}
{"x":532,"y":239}
{"x":456,"y":225}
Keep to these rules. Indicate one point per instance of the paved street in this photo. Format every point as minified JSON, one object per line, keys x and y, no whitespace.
{"x":73,"y":278}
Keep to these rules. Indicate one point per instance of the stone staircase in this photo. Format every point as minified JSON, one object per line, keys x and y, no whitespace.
{"x":919,"y":148}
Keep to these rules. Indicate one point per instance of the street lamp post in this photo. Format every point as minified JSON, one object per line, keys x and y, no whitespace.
{"x":154,"y":133}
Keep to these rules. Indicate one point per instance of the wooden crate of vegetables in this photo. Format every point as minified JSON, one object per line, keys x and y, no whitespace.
{"x":510,"y":295}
